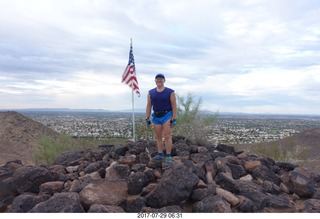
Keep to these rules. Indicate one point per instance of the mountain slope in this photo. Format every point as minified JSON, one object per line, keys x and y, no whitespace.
{"x":19,"y":136}
{"x":304,"y":148}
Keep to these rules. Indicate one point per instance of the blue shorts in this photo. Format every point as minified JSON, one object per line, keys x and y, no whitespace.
{"x":161,"y":120}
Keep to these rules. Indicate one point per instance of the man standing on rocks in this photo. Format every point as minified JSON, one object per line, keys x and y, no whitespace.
{"x":163,"y":102}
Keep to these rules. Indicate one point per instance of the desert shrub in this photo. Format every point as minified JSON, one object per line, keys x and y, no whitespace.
{"x":191,"y":123}
{"x":49,"y":148}
{"x":142,"y":131}
{"x":289,"y":152}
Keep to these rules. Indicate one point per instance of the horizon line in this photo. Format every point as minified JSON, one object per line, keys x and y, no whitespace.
{"x":139,"y":110}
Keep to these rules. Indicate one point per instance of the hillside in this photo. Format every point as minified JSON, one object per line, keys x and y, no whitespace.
{"x":19,"y":136}
{"x":304,"y":148}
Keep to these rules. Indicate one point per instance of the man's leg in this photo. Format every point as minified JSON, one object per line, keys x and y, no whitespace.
{"x":168,"y":141}
{"x":158,"y":133}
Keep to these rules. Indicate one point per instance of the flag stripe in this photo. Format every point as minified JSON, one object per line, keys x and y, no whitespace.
{"x":129,"y":75}
{"x":128,"y":71}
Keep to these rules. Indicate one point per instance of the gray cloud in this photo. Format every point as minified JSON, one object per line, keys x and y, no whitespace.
{"x":237,"y":55}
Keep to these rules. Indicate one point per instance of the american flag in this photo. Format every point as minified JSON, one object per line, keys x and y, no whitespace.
{"x":129,"y":75}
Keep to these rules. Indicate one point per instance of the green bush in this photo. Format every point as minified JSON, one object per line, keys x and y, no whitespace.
{"x":142,"y":131}
{"x":49,"y":148}
{"x":191,"y":123}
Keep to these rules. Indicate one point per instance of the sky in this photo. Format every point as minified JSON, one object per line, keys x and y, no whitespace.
{"x":250,"y":56}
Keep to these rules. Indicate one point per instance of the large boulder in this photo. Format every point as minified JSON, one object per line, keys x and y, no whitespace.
{"x":25,"y":202}
{"x":175,"y":187}
{"x":69,"y":158}
{"x":264,"y":173}
{"x":137,"y":181}
{"x":105,"y":192}
{"x":299,"y":184}
{"x":29,"y":179}
{"x":68,"y":202}
{"x":212,"y":204}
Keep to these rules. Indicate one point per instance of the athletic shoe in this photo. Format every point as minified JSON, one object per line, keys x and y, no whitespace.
{"x":157,"y":158}
{"x":168,"y":160}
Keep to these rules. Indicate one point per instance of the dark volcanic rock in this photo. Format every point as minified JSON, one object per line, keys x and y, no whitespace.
{"x":227,"y":182}
{"x":212,"y":204}
{"x":265,"y":173}
{"x":137,"y":181}
{"x":58,"y":203}
{"x":237,"y":170}
{"x":225,"y":148}
{"x":299,"y":184}
{"x":25,"y":202}
{"x":175,"y":187}
{"x":119,"y":179}
{"x":69,"y":158}
{"x":29,"y":179}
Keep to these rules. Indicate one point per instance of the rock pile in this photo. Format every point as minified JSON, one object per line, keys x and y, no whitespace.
{"x":123,"y":179}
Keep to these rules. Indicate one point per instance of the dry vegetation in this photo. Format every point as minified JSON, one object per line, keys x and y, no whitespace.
{"x":302,"y":149}
{"x":19,"y":136}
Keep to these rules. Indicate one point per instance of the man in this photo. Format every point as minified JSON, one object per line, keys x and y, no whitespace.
{"x":163,"y":101}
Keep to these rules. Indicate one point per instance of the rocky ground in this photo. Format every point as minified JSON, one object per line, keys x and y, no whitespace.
{"x":123,"y":179}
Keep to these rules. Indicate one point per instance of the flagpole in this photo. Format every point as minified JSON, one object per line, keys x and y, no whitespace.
{"x":129,"y":77}
{"x":133,"y":124}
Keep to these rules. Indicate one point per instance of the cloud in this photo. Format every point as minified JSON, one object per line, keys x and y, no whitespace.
{"x":238,"y":55}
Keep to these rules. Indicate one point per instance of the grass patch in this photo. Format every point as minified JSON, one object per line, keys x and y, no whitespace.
{"x":288,"y":152}
{"x":48,"y":148}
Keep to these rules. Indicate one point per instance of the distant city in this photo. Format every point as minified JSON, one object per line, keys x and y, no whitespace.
{"x":229,"y":128}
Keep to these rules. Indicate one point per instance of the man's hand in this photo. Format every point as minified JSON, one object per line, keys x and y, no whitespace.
{"x":173,"y":122}
{"x":148,"y":122}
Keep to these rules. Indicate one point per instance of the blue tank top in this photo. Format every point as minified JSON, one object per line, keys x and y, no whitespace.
{"x":161,"y":100}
